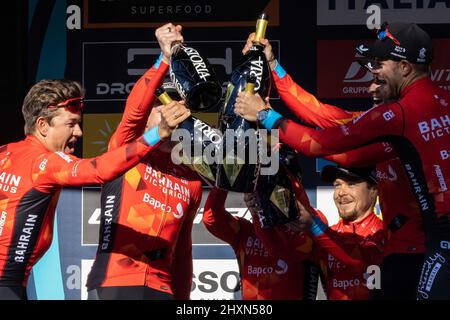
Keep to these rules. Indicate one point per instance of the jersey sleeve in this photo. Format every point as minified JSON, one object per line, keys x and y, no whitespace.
{"x":139,"y":105}
{"x":219,"y":221}
{"x":313,"y":112}
{"x":362,"y":131}
{"x":370,"y":248}
{"x":182,"y":262}
{"x":364,"y":156}
{"x":57,"y":169}
{"x":305,"y":105}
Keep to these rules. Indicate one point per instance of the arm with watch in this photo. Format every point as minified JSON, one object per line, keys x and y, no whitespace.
{"x":253,"y":108}
{"x":301,"y":102}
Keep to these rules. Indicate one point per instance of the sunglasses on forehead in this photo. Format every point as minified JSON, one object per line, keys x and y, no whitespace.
{"x":73,"y":105}
{"x":384,"y":33}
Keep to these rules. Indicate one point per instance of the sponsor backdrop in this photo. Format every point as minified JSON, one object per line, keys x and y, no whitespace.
{"x":107,"y":45}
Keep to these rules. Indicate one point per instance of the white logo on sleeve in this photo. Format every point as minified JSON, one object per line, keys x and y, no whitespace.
{"x":43,"y":164}
{"x":388,"y":115}
{"x":282,"y":267}
{"x":64,"y":156}
{"x":179,"y":210}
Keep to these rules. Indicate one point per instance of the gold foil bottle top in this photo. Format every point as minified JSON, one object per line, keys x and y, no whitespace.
{"x":163,"y":96}
{"x":250,"y":85}
{"x":261,"y":25}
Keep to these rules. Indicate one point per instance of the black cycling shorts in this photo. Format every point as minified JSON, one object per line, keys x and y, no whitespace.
{"x":434,"y":282}
{"x":399,"y":274}
{"x":13,"y":293}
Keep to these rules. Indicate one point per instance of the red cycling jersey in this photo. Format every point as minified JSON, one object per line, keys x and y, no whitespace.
{"x":147,"y":214}
{"x":263,"y":275}
{"x":419,"y":121}
{"x":401,"y":213}
{"x":344,"y":252}
{"x":31,"y":179}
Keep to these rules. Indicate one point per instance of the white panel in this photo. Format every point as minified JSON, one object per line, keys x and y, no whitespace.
{"x":326,"y":204}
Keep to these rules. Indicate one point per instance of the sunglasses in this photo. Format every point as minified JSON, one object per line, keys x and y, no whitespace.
{"x":384,"y":33}
{"x":73,"y":105}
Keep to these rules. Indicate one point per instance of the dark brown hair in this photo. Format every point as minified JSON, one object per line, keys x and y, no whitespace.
{"x":46,"y":93}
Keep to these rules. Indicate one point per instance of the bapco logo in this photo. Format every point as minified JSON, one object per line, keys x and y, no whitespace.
{"x":388,"y":115}
{"x":445,"y":245}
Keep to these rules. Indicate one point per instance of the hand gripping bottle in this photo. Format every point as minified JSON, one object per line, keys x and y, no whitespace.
{"x":240,"y":149}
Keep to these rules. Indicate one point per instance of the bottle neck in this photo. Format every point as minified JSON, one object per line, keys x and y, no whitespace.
{"x":176,"y":46}
{"x":257,"y":45}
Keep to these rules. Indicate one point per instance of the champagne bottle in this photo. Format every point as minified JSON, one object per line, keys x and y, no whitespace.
{"x":276,"y":193}
{"x":194,"y":78}
{"x":241,"y":176}
{"x":250,"y":85}
{"x":202,"y":140}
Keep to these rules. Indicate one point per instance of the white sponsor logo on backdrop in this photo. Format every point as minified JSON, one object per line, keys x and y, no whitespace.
{"x":212,"y":279}
{"x":114,"y":78}
{"x":215,"y":279}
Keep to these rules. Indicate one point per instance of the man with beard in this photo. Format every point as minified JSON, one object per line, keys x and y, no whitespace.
{"x":416,"y":124}
{"x":405,"y":245}
{"x":343,"y":251}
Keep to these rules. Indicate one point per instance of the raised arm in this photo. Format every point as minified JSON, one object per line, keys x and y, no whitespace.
{"x":305,"y":105}
{"x":219,"y":221}
{"x":302,"y":103}
{"x":141,"y":98}
{"x":59,"y":169}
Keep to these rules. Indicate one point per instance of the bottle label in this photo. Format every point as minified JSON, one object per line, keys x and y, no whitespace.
{"x":177,"y":84}
{"x":198,"y":63}
{"x":208,"y":131}
{"x":256,"y":70}
{"x":280,"y":197}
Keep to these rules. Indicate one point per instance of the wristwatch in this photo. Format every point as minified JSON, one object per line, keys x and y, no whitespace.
{"x":262,"y":115}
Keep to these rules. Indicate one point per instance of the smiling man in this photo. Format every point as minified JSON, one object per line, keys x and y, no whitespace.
{"x":356,"y":241}
{"x":417,"y":124}
{"x":34,"y":171}
{"x":343,"y":251}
